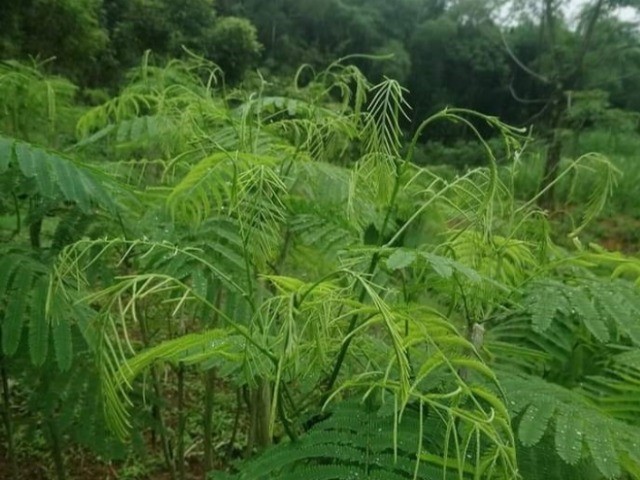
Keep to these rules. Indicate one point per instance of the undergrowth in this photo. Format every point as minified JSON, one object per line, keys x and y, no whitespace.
{"x":369,"y":314}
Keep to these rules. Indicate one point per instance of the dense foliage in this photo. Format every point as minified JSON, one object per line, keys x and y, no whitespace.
{"x":227,"y":260}
{"x":195,"y":241}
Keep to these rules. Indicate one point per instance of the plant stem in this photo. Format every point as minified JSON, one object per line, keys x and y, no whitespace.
{"x":35,"y":229}
{"x":6,"y":417}
{"x":164,"y":437}
{"x":261,"y":413}
{"x":252,"y":414}
{"x":352,"y":325}
{"x":236,"y":422}
{"x":156,"y":410}
{"x":56,"y":449}
{"x":209,"y":389}
{"x":16,"y":205}
{"x":182,"y":422}
{"x":291,"y":433}
{"x":372,"y":267}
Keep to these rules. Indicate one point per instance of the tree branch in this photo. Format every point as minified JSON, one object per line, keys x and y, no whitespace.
{"x":526,"y":101}
{"x":520,"y":64}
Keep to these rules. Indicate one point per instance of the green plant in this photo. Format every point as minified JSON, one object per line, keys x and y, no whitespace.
{"x":355,"y":440}
{"x":290,"y":246}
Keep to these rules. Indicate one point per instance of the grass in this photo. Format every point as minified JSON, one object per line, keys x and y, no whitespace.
{"x":617,"y":227}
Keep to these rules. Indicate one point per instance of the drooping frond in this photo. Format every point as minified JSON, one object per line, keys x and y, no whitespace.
{"x":118,"y":375}
{"x":213,"y":184}
{"x":163,"y":112}
{"x":604,"y":176}
{"x":582,"y":429}
{"x":23,"y":292}
{"x":420,"y":362}
{"x":116,"y":356}
{"x":605,"y":308}
{"x":54,"y":176}
{"x":33,"y":105}
{"x":28,"y":303}
{"x":355,"y":440}
{"x":385,"y":111}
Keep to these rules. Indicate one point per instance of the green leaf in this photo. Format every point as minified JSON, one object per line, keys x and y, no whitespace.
{"x":13,"y":318}
{"x":56,"y":175}
{"x":542,"y":315}
{"x":589,"y":315}
{"x":59,"y":319}
{"x":199,"y":282}
{"x":6,"y":153}
{"x":8,"y":265}
{"x":26,"y":161}
{"x":43,"y":175}
{"x":401,"y":258}
{"x":542,"y":302}
{"x":441,"y":265}
{"x":602,"y":447}
{"x":61,"y":332}
{"x":534,"y":422}
{"x":445,"y":267}
{"x":69,"y":180}
{"x":568,"y":436}
{"x":39,"y":324}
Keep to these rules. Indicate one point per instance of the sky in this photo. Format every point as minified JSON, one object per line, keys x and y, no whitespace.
{"x":572,"y":7}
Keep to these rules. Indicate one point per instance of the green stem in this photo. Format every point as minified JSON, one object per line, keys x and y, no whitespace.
{"x":251,"y":406}
{"x":370,"y":271}
{"x":156,"y":411}
{"x":236,"y":422}
{"x":18,"y":218}
{"x":286,"y":423}
{"x":56,"y":449}
{"x":262,"y":400}
{"x":209,"y":390}
{"x":6,"y":417}
{"x":182,"y":423}
{"x":352,"y":325}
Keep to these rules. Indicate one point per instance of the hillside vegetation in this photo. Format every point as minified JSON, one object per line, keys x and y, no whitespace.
{"x":215,"y":271}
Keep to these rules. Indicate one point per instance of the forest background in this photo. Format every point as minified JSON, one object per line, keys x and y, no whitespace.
{"x":523,"y":61}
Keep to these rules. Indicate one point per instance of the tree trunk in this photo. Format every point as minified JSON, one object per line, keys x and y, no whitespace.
{"x":554,"y":150}
{"x":259,"y":400}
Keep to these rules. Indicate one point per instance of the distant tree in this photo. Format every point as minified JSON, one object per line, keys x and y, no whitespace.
{"x":233,"y":45}
{"x":68,"y":30}
{"x":319,"y":31}
{"x":163,"y":26}
{"x":455,"y":62}
{"x":569,"y":56}
{"x":395,"y":62}
{"x":616,"y":69}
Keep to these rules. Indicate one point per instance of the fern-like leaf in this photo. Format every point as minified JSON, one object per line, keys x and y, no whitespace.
{"x":38,"y":322}
{"x":13,"y":321}
{"x":579,"y":422}
{"x":56,"y":177}
{"x":569,"y":436}
{"x":353,"y":441}
{"x":534,"y":422}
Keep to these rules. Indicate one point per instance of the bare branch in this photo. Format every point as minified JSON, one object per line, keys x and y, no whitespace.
{"x":520,"y":64}
{"x":597,"y":11}
{"x":526,"y":101}
{"x":538,"y":114}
